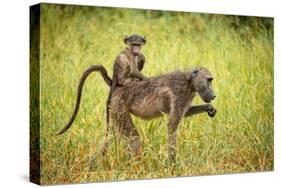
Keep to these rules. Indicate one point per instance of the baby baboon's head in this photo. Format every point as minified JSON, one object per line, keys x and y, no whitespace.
{"x":135,"y":42}
{"x":202,"y":83}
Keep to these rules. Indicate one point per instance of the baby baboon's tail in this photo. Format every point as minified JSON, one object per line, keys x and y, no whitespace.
{"x":91,"y":69}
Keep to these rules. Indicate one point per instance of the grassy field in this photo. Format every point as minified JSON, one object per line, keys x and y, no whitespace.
{"x":237,"y":50}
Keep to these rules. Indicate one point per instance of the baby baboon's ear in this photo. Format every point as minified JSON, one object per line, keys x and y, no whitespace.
{"x":125,"y":39}
{"x":144,"y":40}
{"x":194,"y":72}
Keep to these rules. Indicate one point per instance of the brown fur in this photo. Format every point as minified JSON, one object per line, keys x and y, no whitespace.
{"x":127,"y":67}
{"x":111,"y":83}
{"x":170,"y":94}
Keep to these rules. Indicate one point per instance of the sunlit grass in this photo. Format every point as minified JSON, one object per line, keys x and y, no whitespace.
{"x":238,"y":139}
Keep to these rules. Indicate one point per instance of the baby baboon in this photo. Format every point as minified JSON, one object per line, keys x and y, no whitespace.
{"x":127,"y":65}
{"x":170,"y":94}
{"x":126,"y":68}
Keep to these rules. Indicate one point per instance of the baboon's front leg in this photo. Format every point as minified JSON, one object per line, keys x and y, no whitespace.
{"x":201,"y":109}
{"x":172,"y":135}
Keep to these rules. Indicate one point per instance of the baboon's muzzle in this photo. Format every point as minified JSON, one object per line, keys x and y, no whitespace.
{"x":209,"y":97}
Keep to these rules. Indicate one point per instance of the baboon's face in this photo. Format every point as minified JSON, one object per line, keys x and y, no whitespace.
{"x":202,"y":83}
{"x":135,"y":43}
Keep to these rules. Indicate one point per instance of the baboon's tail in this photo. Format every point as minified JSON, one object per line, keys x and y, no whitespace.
{"x":91,"y":69}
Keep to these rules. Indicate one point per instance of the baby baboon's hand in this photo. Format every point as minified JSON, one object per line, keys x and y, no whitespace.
{"x":211,"y":111}
{"x":140,"y":61}
{"x":141,"y":58}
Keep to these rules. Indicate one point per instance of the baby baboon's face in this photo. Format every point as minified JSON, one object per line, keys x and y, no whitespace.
{"x":202,"y":83}
{"x":135,"y":43}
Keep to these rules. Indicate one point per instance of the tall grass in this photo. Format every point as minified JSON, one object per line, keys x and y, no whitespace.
{"x":237,"y":50}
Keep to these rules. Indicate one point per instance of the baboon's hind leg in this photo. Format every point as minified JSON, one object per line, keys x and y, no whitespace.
{"x":104,"y":146}
{"x":99,"y":154}
{"x":127,"y":128}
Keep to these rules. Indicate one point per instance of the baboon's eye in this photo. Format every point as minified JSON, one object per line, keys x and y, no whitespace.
{"x":135,"y":44}
{"x":210,"y":79}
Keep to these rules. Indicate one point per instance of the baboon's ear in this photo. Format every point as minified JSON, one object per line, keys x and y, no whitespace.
{"x":194,"y":72}
{"x":126,"y":39}
{"x":144,"y":40}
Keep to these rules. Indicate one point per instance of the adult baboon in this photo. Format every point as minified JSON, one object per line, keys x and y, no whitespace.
{"x":170,"y":94}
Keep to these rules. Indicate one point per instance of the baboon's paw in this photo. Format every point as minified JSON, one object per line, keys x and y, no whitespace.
{"x":212,"y":111}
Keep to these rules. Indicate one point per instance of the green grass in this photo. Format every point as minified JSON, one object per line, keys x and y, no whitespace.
{"x":238,"y":51}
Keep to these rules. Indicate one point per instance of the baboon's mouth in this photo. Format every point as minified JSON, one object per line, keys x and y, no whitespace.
{"x":207,"y":100}
{"x":136,"y":49}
